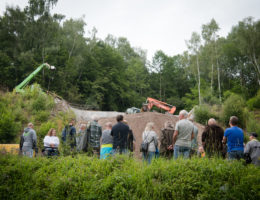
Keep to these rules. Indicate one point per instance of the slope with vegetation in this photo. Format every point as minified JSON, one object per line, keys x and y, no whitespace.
{"x":33,"y":105}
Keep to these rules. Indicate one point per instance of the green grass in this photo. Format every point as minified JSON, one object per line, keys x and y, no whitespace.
{"x":85,"y":177}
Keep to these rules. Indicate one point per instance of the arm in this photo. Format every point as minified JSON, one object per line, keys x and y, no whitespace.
{"x":192,"y":135}
{"x":21,"y":142}
{"x":247,"y":148}
{"x":55,"y":141}
{"x":46,"y":141}
{"x":224,"y":140}
{"x":174,"y":138}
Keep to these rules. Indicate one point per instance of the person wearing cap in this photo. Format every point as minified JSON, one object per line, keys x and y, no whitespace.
{"x":252,"y":149}
{"x":234,"y":136}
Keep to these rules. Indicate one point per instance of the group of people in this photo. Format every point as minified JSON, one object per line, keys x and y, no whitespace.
{"x":182,"y":140}
{"x":176,"y":141}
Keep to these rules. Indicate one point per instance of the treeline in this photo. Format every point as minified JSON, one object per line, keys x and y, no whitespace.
{"x":110,"y":74}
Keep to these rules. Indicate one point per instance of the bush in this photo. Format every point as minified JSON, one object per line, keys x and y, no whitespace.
{"x":85,"y":177}
{"x":234,"y":106}
{"x":203,"y":114}
{"x":254,"y":102}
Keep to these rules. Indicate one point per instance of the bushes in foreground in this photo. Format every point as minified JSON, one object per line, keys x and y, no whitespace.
{"x":85,"y":177}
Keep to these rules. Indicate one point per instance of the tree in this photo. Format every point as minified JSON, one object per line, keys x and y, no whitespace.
{"x":194,"y":45}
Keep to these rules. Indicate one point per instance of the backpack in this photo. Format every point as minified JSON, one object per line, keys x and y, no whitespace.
{"x":145,"y":145}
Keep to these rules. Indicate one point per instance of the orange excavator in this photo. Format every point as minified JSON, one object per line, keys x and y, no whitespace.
{"x":150,"y":102}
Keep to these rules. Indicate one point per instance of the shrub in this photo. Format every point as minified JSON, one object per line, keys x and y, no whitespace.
{"x":203,"y":114}
{"x":85,"y":177}
{"x":234,"y":106}
{"x":254,"y":102}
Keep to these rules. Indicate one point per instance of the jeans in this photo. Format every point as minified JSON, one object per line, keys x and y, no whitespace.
{"x":235,"y":155}
{"x":28,"y":153}
{"x":119,"y":151}
{"x":181,"y":151}
{"x":149,"y":156}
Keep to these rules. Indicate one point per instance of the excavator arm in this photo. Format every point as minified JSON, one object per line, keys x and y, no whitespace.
{"x":150,"y":102}
{"x":19,"y":88}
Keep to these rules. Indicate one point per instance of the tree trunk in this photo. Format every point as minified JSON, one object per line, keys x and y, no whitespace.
{"x":219,"y":88}
{"x":257,"y":68}
{"x":211,"y":84}
{"x":198,"y":68}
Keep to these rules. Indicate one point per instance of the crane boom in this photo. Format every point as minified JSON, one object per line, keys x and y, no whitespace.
{"x":19,"y":88}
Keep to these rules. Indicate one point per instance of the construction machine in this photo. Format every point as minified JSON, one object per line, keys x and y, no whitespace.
{"x":21,"y":86}
{"x":150,"y":102}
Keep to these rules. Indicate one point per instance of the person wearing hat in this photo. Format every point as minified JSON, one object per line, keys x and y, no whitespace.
{"x":252,"y":149}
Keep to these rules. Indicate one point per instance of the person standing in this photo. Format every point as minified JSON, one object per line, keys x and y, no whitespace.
{"x":120,"y":133}
{"x":94,"y":133}
{"x":130,"y":138}
{"x":234,"y":137}
{"x":166,"y":140}
{"x":252,"y":149}
{"x":149,"y":136}
{"x":28,"y":141}
{"x":79,"y":137}
{"x":194,"y":141}
{"x":212,"y":139}
{"x":182,"y":136}
{"x":106,"y":141}
{"x":69,"y":135}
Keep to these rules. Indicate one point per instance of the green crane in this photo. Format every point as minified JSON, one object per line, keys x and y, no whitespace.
{"x":21,"y":86}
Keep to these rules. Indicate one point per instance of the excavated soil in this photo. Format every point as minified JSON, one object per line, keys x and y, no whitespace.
{"x":138,"y":121}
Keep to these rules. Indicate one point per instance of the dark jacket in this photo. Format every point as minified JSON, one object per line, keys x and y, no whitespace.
{"x":69,"y":135}
{"x":212,"y":139}
{"x":120,"y":133}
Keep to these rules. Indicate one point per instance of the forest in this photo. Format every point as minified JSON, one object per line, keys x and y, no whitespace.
{"x":110,"y":74}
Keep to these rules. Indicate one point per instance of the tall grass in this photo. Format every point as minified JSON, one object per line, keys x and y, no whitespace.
{"x":85,"y":177}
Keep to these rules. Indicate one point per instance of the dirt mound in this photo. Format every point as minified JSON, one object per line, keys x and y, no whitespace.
{"x":138,"y":121}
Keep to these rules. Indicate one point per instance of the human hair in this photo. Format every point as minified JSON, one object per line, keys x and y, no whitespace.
{"x":30,"y":125}
{"x":50,"y":132}
{"x":233,"y":120}
{"x":109,"y":125}
{"x":184,"y":113}
{"x":119,"y":118}
{"x":82,"y":126}
{"x":212,"y":121}
{"x":149,"y":126}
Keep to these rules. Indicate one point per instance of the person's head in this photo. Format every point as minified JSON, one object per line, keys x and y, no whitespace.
{"x":30,"y":125}
{"x":183,"y":114}
{"x":168,"y":124}
{"x":233,"y":121}
{"x":119,"y":118}
{"x":71,"y":122}
{"x":212,"y":121}
{"x":82,"y":126}
{"x":253,"y":136}
{"x":95,"y":118}
{"x":51,"y":132}
{"x":149,"y":126}
{"x":108,"y":125}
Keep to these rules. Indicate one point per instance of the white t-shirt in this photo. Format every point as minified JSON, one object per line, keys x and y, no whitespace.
{"x":51,"y":140}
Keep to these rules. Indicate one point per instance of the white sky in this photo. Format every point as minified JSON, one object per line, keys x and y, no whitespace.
{"x":153,"y":24}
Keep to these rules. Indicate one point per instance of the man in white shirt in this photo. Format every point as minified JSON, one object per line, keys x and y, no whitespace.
{"x":182,"y":136}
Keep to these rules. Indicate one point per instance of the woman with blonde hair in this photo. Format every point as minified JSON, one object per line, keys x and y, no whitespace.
{"x":149,"y":136}
{"x":51,"y":143}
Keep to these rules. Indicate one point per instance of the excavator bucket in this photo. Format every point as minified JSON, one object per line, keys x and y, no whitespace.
{"x":173,"y":109}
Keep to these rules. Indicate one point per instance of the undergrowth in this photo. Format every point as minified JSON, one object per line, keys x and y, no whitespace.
{"x":83,"y":177}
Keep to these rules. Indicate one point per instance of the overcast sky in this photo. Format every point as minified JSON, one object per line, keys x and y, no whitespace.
{"x":153,"y":24}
